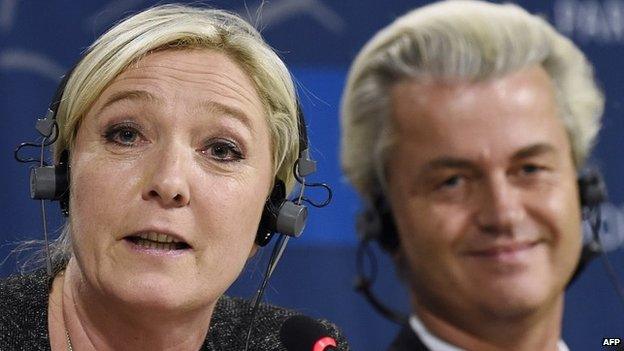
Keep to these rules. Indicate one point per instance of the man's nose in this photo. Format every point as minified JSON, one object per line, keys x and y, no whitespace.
{"x":500,"y":206}
{"x":167,"y":179}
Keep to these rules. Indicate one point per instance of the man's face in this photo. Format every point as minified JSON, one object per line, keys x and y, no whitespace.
{"x":483,"y":189}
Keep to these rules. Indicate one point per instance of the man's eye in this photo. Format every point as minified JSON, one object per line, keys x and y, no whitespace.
{"x":530,"y":169}
{"x":451,"y":182}
{"x":122,"y":135}
{"x":224,"y":151}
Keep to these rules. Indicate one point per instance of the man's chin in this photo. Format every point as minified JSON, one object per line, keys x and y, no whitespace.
{"x":516,"y":300}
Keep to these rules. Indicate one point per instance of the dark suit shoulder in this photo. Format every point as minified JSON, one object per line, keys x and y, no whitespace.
{"x":407,"y":340}
{"x":24,"y":312}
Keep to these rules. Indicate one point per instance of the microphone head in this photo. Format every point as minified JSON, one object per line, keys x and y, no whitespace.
{"x":301,"y":333}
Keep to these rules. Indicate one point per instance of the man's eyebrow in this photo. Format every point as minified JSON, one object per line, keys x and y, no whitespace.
{"x":227,"y":110}
{"x":447,"y":162}
{"x":127,"y":95}
{"x":534,"y":150}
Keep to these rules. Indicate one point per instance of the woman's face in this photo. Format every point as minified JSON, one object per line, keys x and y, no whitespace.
{"x":169,"y":172}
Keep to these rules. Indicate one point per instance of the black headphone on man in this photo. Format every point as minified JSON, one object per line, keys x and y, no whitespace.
{"x":376,"y":223}
{"x":280,"y":214}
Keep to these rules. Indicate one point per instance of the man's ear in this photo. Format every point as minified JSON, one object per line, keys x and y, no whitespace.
{"x":401,"y":265}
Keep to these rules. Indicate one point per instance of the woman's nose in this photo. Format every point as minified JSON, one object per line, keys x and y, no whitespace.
{"x":167,"y":181}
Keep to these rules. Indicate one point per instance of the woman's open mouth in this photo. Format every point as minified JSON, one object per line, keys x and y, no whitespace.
{"x":157,"y":241}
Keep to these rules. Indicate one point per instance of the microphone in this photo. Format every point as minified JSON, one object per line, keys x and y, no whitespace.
{"x":301,"y":333}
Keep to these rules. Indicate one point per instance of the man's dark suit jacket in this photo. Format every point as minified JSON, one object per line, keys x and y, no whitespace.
{"x":407,"y":340}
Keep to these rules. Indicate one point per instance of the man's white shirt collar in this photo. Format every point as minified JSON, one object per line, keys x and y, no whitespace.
{"x":434,"y":343}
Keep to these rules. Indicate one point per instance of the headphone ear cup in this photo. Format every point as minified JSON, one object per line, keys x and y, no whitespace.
{"x":52,"y":182}
{"x":368,"y":224}
{"x":46,"y":182}
{"x":592,"y":188}
{"x":280,"y":216}
{"x":592,"y":192}
{"x":268,"y":221}
{"x":376,"y":222}
{"x":291,"y":219}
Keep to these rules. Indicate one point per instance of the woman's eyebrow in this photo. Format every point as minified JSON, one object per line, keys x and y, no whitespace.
{"x":134,"y":95}
{"x":227,"y":111}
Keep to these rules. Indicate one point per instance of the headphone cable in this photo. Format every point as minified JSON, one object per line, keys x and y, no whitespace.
{"x":43,"y":217}
{"x":596,"y":225}
{"x":363,"y":283}
{"x":276,"y":254}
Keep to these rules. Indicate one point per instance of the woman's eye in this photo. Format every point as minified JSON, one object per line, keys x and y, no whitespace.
{"x":123,"y":135}
{"x":225,"y":151}
{"x":127,"y":136}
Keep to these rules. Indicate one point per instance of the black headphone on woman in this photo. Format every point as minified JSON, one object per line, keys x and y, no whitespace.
{"x":280,"y":214}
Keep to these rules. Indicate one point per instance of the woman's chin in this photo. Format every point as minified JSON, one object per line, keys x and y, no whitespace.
{"x":160,"y":294}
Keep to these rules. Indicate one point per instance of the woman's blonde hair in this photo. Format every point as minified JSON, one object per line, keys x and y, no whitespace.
{"x":470,"y":40}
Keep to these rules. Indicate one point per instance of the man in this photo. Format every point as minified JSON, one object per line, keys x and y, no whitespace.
{"x":465,"y":124}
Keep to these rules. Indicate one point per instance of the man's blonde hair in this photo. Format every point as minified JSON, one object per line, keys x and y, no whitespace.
{"x":469,"y":40}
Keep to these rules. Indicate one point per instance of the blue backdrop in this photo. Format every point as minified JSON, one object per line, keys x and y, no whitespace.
{"x":40,"y":40}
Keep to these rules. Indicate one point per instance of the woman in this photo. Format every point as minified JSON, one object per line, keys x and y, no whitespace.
{"x":176,"y":125}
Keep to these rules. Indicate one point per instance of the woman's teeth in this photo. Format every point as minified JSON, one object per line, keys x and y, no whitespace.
{"x":161,"y":238}
{"x":158,"y":241}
